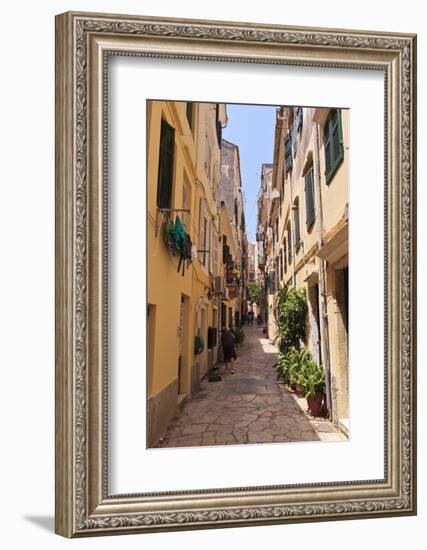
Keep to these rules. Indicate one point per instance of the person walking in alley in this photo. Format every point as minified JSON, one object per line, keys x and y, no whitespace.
{"x":228,"y":346}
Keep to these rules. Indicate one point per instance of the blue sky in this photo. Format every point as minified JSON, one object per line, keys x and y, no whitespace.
{"x":251,"y":128}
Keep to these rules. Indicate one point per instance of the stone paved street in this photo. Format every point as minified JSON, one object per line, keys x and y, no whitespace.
{"x":249,"y":406}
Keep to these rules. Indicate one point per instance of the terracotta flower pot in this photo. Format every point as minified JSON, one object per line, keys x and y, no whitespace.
{"x":315,"y":404}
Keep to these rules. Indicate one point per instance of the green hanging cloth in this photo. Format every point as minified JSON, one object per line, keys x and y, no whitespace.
{"x":179,"y":233}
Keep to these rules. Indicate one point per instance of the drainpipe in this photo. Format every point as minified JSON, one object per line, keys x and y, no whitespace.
{"x":323,"y":315}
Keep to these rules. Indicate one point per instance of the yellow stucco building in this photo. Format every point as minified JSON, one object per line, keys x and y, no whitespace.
{"x":305,"y":244}
{"x":188,"y":294}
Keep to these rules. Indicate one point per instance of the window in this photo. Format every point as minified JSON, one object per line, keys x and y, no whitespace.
{"x":165,"y":176}
{"x":289,"y":238}
{"x":214,"y":249}
{"x":288,"y":154}
{"x":309,"y":198}
{"x":218,"y":125}
{"x":298,"y":118}
{"x":282,"y":196}
{"x":285,"y":267}
{"x":334,"y":148}
{"x":203,"y":243}
{"x":190,"y":114}
{"x":297,"y":226}
{"x":211,"y":246}
{"x":208,"y":158}
{"x":186,"y":193}
{"x":281,"y":265}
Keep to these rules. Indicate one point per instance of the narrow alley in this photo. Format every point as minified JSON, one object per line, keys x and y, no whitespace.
{"x":249,"y":406}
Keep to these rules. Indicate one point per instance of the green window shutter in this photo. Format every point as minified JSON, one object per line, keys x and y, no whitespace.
{"x":166,"y":158}
{"x":309,"y":199}
{"x":299,"y":118}
{"x":190,"y":114}
{"x":218,"y":125}
{"x":285,"y":267}
{"x":289,"y":244}
{"x":334,"y":147}
{"x":288,"y":153}
{"x":297,"y":228}
{"x":327,"y":137}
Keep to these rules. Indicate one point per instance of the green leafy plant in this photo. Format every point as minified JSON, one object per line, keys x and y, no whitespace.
{"x":238,"y":334}
{"x":288,"y":367}
{"x":290,"y":310}
{"x":310,"y":376}
{"x":253,"y":291}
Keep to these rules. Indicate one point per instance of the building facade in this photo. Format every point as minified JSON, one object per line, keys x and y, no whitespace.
{"x":305,"y":242}
{"x":232,"y":198}
{"x":196,"y":250}
{"x":183,"y":200}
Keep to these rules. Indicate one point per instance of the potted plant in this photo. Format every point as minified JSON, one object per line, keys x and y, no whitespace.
{"x":239,"y":335}
{"x":282,"y":368}
{"x":312,"y":378}
{"x":293,"y":358}
{"x":302,"y":358}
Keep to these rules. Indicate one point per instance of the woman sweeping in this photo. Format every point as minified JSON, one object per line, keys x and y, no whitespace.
{"x":227,"y":341}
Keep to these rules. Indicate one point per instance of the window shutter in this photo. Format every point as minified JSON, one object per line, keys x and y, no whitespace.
{"x":165,"y":174}
{"x":285,"y":267}
{"x":297,"y":228}
{"x":210,"y":248}
{"x":288,"y":153}
{"x":299,"y":118}
{"x":334,"y":147}
{"x":294,"y":139}
{"x":214,"y":248}
{"x":309,"y":199}
{"x":190,"y":114}
{"x":289,"y":244}
{"x":202,"y":231}
{"x":224,"y":249}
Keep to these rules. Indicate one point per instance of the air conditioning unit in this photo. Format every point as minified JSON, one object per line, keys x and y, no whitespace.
{"x":226,"y":294}
{"x":219,"y":285}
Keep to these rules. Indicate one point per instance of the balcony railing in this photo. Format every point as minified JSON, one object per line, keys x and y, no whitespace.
{"x":232,"y":279}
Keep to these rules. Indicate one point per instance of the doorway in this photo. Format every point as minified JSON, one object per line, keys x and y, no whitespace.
{"x":151,"y":335}
{"x":183,"y":339}
{"x":203,"y":330}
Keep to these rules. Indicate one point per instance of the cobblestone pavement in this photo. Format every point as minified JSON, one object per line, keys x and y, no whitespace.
{"x":249,"y":406}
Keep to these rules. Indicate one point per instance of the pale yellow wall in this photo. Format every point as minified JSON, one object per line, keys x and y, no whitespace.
{"x":228,"y":230}
{"x":334,"y":199}
{"x":334,"y":196}
{"x":165,"y":285}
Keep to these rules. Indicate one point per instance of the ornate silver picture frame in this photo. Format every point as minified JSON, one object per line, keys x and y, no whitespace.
{"x":84,"y":43}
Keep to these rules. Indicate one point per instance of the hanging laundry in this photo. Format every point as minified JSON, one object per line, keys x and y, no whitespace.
{"x":169,"y":236}
{"x":186,"y":254}
{"x":179,"y":233}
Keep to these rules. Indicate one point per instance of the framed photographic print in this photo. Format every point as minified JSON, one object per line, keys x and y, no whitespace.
{"x":235,"y":274}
